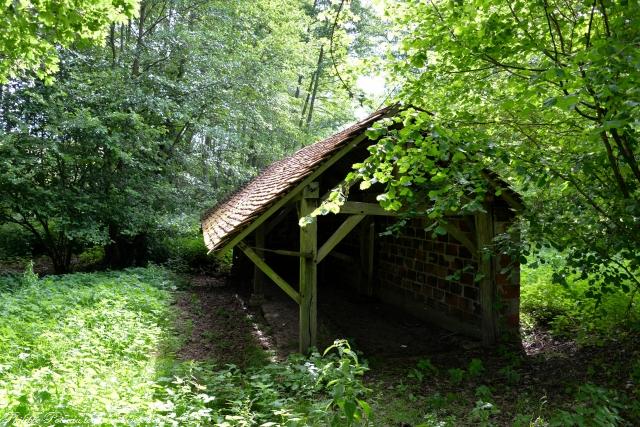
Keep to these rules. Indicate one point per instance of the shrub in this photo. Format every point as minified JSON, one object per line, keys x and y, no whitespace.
{"x":184,"y":253}
{"x":91,"y":257}
{"x":596,"y":406}
{"x":569,"y":310}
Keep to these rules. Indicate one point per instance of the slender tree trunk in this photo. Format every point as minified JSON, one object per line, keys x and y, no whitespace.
{"x":135,"y":67}
{"x":112,"y":44}
{"x":312,"y":91}
{"x":614,"y":165}
{"x":315,"y":86}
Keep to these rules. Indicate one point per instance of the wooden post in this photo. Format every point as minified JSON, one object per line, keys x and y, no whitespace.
{"x":257,"y":296}
{"x":367,"y":235}
{"x":308,"y":271}
{"x":484,"y":235}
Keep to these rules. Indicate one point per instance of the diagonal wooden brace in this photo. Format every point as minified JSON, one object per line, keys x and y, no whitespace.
{"x":268,"y":271}
{"x":344,"y":229}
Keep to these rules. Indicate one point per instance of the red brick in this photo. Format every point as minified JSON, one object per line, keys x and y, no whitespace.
{"x":471,"y":292}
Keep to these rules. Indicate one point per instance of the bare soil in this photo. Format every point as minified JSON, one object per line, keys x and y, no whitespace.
{"x":217,"y":325}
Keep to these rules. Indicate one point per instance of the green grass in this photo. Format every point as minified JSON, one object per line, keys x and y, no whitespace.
{"x":82,"y":347}
{"x":100,"y":349}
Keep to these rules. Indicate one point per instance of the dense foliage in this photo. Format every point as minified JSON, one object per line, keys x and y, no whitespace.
{"x":183,"y":103}
{"x":544,"y":93}
{"x":33,"y":31}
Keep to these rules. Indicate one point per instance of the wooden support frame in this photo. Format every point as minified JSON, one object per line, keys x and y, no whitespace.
{"x":283,"y":252}
{"x":377,"y":210}
{"x":362,"y":208}
{"x":461,"y":237}
{"x":367,"y":254}
{"x":308,"y":320}
{"x":484,"y":236}
{"x":345,"y":228}
{"x":268,"y":271}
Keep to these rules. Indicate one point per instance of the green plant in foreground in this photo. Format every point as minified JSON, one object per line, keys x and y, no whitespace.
{"x":482,"y":412}
{"x":424,"y":368}
{"x":596,"y":406}
{"x":456,"y":375}
{"x":476,"y":368}
{"x":345,"y":387}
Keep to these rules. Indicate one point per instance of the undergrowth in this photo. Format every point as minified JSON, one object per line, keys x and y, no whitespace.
{"x":568,"y":310}
{"x":99,"y":349}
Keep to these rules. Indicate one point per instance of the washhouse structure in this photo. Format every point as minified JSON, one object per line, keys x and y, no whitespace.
{"x":450,"y":280}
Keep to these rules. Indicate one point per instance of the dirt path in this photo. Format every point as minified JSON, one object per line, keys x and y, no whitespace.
{"x":218,"y":326}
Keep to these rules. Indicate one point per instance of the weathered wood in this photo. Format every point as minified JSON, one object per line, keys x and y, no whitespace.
{"x":367,"y":236}
{"x":484,"y":236}
{"x":461,"y":237}
{"x":365,"y":209}
{"x":292,"y":194}
{"x":506,"y":193}
{"x":377,"y":210}
{"x":344,"y":229}
{"x":257,"y":296}
{"x":283,"y":252}
{"x":308,"y":271}
{"x":268,"y":271}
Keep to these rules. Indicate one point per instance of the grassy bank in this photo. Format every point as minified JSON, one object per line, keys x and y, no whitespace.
{"x":101,"y":349}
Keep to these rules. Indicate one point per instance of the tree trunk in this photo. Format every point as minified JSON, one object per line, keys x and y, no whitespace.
{"x":124,"y":251}
{"x":315,"y":86}
{"x":135,"y":67}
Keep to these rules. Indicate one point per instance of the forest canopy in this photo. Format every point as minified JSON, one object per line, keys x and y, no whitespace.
{"x":178,"y":103}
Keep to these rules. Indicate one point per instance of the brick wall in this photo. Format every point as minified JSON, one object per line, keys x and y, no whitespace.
{"x":434,"y":278}
{"x":507,"y":275}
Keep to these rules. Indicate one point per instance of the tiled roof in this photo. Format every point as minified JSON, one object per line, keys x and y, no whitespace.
{"x":224,"y":221}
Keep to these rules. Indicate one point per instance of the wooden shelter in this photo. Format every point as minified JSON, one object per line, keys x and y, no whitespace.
{"x":432,"y":278}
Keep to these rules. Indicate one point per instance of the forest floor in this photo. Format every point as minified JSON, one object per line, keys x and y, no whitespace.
{"x":420,"y":374}
{"x":129,"y":340}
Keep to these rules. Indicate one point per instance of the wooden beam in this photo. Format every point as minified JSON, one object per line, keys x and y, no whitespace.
{"x":484,"y":235}
{"x":308,"y":320}
{"x":376,"y":210}
{"x":257,"y":295}
{"x":283,"y":252}
{"x":367,"y":241}
{"x":461,"y":237}
{"x":365,"y":209}
{"x":269,"y":272}
{"x":291,"y":195}
{"x":506,"y":193}
{"x":343,"y":257}
{"x":344,"y":229}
